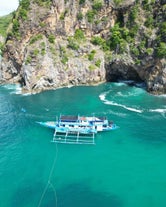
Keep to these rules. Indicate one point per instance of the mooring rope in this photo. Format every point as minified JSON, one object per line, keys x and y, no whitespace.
{"x":54,"y":193}
{"x":49,"y":181}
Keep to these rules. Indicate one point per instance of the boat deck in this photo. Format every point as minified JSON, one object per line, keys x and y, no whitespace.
{"x":78,"y":129}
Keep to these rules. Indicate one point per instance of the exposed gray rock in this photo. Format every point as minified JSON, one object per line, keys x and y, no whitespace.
{"x":39,"y":62}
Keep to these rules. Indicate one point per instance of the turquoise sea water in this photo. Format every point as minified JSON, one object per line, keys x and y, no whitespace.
{"x":125,"y":168}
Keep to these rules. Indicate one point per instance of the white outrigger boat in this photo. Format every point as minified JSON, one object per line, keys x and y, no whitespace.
{"x":78,"y":129}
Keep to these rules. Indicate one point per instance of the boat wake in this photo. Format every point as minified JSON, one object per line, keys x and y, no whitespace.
{"x":123,"y":106}
{"x":161,"y":111}
{"x":158,"y":110}
{"x":102,"y":96}
{"x":107,"y":102}
{"x":105,"y":96}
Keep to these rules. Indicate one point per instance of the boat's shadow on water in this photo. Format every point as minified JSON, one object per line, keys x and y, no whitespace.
{"x":75,"y":195}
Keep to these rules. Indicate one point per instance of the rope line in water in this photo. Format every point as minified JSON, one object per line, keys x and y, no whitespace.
{"x":49,"y":181}
{"x":54,"y":193}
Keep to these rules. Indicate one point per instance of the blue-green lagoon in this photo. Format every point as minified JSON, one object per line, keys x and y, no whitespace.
{"x":125,"y":168}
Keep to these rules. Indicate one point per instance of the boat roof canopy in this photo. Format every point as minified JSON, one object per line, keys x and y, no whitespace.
{"x":68,"y":118}
{"x":73,"y":118}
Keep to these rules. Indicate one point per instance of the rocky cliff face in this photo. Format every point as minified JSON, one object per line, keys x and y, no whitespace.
{"x":72,"y":42}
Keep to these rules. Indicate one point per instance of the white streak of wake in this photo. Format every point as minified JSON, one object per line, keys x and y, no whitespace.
{"x":103,"y":98}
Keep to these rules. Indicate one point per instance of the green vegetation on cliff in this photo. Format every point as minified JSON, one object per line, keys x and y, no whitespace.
{"x":87,"y":34}
{"x":4,"y":24}
{"x":139,"y":30}
{"x":43,"y":2}
{"x":124,"y":35}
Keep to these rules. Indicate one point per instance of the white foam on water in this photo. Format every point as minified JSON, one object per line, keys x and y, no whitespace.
{"x":11,"y":86}
{"x":128,"y":94}
{"x":120,"y":94}
{"x":105,"y":101}
{"x":102,"y":96}
{"x":69,"y":86}
{"x":158,"y":110}
{"x":162,"y":96}
{"x":17,"y":91}
{"x":161,"y":111}
{"x":119,"y":84}
{"x":15,"y":88}
{"x":123,"y":106}
{"x":27,"y":94}
{"x":133,"y":109}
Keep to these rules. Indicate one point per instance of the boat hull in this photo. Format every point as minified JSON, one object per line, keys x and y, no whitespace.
{"x":48,"y":124}
{"x":54,"y":125}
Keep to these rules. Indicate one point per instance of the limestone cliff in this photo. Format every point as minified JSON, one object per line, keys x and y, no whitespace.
{"x":56,"y":43}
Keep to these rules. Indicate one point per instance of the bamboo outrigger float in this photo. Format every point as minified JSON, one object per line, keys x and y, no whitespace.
{"x":73,"y":137}
{"x":78,"y":129}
